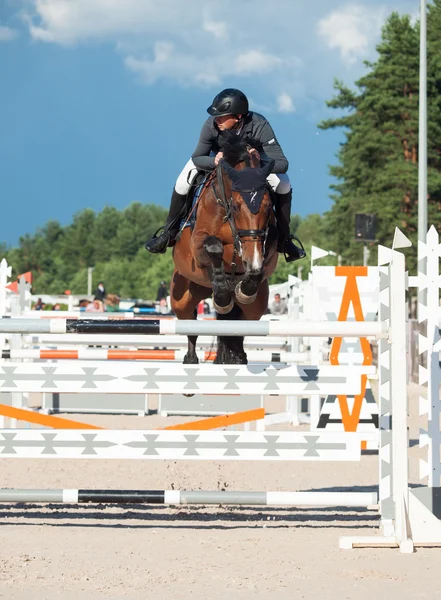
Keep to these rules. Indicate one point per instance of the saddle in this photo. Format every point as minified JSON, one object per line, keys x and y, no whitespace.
{"x":189,"y":218}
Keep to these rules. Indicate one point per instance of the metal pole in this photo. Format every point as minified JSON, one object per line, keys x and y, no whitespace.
{"x":89,"y":280}
{"x":366,"y":253}
{"x":422,"y":143}
{"x":73,"y":496}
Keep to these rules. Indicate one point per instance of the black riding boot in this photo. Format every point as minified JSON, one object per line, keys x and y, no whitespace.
{"x":285,"y":244}
{"x":158,"y":243}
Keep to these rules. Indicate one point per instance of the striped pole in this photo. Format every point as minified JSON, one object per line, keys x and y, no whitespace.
{"x":222,"y":328}
{"x":238,"y":418}
{"x":71,"y":496}
{"x":29,"y":416}
{"x":215,"y":445}
{"x":137,"y":377}
{"x":111,"y":354}
{"x":204,"y":342}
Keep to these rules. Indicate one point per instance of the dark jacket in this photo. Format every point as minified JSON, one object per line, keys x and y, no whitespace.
{"x":161,"y":293}
{"x":256,"y":130}
{"x":100,"y":294}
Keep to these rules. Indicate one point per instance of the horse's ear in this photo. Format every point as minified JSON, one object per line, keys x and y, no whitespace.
{"x":267,"y":168}
{"x":232,"y":173}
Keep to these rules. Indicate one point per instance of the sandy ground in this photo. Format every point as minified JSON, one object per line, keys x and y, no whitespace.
{"x":83,"y":552}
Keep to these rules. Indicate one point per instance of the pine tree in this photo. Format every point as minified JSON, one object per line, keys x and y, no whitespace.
{"x":378,"y":170}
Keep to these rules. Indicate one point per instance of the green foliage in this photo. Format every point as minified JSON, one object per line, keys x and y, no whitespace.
{"x":111,"y":241}
{"x":311,"y":232}
{"x":378,"y":164}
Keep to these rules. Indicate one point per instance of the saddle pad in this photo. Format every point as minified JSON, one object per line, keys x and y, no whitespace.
{"x":197,"y":192}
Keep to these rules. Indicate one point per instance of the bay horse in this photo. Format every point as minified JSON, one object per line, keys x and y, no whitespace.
{"x":231,"y":250}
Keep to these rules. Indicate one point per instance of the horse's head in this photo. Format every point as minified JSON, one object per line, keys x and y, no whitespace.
{"x":251,"y":214}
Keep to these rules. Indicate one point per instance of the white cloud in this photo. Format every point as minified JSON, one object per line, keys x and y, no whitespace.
{"x":256,"y":61}
{"x":253,"y":44}
{"x":258,"y":107}
{"x":351,"y":30}
{"x":163,"y":51}
{"x":169,"y":63}
{"x":7,"y":34}
{"x":217,"y":28}
{"x":285,"y":103}
{"x":69,"y":22}
{"x":173,"y":66}
{"x":169,"y":40}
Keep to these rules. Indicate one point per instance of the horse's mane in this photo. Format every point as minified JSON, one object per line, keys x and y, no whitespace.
{"x":235,"y":149}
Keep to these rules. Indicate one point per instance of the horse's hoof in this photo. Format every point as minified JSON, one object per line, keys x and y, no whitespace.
{"x":223,"y":310}
{"x":241,"y":298}
{"x":190,"y":360}
{"x":231,"y":359}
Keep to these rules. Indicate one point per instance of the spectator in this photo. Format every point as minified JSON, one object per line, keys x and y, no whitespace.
{"x":95,"y":306}
{"x":39,"y":305}
{"x":162,"y":308}
{"x":112,"y":303}
{"x":278,"y":306}
{"x":162,"y":292}
{"x":56,"y":307}
{"x":100,"y":292}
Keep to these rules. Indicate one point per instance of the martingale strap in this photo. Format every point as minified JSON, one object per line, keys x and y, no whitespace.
{"x":222,"y":199}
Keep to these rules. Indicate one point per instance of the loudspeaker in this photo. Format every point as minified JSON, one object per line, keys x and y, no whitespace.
{"x":365,"y":227}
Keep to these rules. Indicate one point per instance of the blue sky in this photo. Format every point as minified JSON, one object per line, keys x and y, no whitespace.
{"x":102,"y":101}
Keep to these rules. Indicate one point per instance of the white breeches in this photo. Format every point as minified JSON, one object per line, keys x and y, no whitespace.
{"x":279,"y":182}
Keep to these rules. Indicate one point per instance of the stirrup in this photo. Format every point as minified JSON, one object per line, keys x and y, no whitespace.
{"x":166,"y":238}
{"x":301,"y":252}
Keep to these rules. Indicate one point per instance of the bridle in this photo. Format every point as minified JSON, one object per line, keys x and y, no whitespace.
{"x":239,"y":235}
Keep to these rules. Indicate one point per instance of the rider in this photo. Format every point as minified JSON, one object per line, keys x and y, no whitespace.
{"x":229,"y":112}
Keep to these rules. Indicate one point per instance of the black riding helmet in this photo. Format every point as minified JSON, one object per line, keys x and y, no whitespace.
{"x":229,"y":102}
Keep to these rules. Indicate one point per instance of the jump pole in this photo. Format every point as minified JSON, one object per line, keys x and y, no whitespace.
{"x":204,"y":342}
{"x":28,"y":416}
{"x":158,"y":355}
{"x":190,"y":327}
{"x":222,"y":421}
{"x":176,"y":497}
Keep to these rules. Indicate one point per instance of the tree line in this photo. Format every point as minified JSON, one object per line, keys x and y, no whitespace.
{"x":377,"y":172}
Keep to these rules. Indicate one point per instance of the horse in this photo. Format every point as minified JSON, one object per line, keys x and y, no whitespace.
{"x":231,"y":250}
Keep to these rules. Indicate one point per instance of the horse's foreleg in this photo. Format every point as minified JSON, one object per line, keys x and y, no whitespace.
{"x":254,"y":311}
{"x":185,"y":296}
{"x":191,"y":358}
{"x":230,"y":348}
{"x":222,"y":297}
{"x":246,"y":290}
